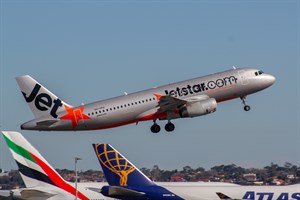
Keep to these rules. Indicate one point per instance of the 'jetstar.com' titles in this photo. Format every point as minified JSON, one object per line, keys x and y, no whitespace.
{"x":201,"y":87}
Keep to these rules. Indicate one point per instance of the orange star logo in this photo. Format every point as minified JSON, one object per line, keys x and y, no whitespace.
{"x":158,"y":96}
{"x":74,"y":115}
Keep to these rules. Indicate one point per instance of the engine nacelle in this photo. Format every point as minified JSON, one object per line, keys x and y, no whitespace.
{"x":198,"y":108}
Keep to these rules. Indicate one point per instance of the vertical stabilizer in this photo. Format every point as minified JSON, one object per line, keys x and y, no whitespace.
{"x":117,"y":169}
{"x":34,"y":169}
{"x":41,"y":101}
{"x":28,"y":159}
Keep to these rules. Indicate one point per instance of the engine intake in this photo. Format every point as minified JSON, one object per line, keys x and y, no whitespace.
{"x":198,"y":108}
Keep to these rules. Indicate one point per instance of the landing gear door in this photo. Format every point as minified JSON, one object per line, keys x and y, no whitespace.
{"x":244,"y":79}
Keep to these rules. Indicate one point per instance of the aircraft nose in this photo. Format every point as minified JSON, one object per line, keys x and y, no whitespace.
{"x":271,"y":79}
{"x":268,"y":80}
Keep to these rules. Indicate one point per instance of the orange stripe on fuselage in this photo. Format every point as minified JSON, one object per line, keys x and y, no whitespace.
{"x":145,"y":118}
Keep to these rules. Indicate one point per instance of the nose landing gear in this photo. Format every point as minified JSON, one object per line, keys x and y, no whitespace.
{"x":246,"y":107}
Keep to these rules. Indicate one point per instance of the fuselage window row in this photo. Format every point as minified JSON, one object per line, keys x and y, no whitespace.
{"x":121,"y":106}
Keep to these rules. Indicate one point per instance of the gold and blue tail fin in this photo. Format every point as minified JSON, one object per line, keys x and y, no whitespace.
{"x":117,"y":169}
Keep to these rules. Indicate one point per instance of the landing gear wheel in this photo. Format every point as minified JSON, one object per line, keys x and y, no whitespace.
{"x":247,"y":108}
{"x":155,"y":128}
{"x":169,"y":127}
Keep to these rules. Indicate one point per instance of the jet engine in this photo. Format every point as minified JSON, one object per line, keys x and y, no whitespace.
{"x":198,"y":108}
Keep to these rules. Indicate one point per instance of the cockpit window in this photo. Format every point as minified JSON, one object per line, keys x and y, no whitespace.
{"x":258,"y":73}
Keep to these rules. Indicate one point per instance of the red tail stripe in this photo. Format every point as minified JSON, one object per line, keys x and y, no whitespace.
{"x":57,"y":180}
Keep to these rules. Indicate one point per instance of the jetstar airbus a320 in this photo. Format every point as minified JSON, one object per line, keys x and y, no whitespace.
{"x":190,"y":98}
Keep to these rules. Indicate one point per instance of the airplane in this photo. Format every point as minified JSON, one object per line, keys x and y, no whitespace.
{"x":128,"y":183}
{"x":185,"y":99}
{"x":41,"y":180}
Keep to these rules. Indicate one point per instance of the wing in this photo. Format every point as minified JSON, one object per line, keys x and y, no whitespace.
{"x":168,"y":103}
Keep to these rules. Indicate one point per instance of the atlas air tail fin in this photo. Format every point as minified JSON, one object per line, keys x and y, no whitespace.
{"x":41,"y":101}
{"x":117,"y":169}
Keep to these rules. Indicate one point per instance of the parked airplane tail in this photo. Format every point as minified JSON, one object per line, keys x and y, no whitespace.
{"x":34,"y":169}
{"x":117,"y":169}
{"x":125,"y":181}
{"x":41,"y":101}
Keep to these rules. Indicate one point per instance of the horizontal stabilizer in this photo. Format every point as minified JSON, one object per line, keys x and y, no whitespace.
{"x":224,"y":196}
{"x":36,"y":194}
{"x":46,"y":122}
{"x":116,"y":191}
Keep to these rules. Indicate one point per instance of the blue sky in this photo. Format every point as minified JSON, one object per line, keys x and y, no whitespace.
{"x":85,"y":51}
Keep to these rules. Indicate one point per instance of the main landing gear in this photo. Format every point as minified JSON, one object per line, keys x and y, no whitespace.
{"x":169,"y":127}
{"x":246,"y":107}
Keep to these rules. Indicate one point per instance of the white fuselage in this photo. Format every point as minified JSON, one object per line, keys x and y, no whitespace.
{"x":208,"y":191}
